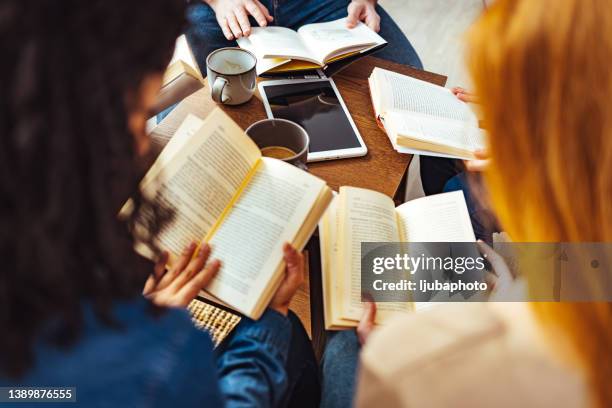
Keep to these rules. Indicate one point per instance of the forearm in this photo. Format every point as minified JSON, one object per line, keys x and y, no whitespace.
{"x":252,"y":365}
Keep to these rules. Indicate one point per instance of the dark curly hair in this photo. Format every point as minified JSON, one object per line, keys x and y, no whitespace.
{"x":68,"y":161}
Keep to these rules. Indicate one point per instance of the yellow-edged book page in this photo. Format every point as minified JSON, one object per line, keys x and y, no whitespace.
{"x":297,"y":65}
{"x":269,"y":212}
{"x":198,"y":178}
{"x":182,"y":61}
{"x":329,"y":249}
{"x":332,"y":276}
{"x":365,"y":216}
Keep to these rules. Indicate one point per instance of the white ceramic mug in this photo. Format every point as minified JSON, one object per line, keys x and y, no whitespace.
{"x":231,"y":75}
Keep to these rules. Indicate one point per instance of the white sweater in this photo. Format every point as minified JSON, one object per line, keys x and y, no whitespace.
{"x":467,"y":355}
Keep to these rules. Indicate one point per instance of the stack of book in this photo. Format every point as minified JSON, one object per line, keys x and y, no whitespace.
{"x":182,"y":77}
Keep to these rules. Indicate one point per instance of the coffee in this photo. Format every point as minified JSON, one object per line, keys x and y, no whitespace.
{"x":281,"y":139}
{"x":278,"y":152}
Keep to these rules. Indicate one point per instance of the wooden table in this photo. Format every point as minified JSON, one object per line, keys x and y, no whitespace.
{"x":382,"y":169}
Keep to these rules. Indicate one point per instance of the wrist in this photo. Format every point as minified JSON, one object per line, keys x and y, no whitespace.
{"x":282,"y":309}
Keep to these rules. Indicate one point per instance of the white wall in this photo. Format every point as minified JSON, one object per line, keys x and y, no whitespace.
{"x":435,"y":29}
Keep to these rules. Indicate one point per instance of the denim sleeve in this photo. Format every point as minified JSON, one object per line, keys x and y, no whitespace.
{"x":251,"y":366}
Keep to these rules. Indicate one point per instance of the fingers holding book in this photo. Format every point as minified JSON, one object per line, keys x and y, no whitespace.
{"x":367,"y":322}
{"x":464,"y":95}
{"x":179,"y":285}
{"x":294,"y":277}
{"x":480,"y":163}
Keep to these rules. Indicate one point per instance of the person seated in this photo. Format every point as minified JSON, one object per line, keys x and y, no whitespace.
{"x":546,"y":184}
{"x":80,"y":81}
{"x":442,"y":175}
{"x":217,"y":23}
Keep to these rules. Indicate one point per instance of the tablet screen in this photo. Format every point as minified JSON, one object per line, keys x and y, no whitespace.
{"x":315,"y":106}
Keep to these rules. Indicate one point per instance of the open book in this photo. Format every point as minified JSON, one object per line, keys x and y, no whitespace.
{"x":244,"y":205}
{"x":424,"y":118}
{"x":280,"y":49}
{"x":358,"y":215}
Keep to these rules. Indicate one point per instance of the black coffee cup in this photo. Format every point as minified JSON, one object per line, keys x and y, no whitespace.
{"x":281,"y":139}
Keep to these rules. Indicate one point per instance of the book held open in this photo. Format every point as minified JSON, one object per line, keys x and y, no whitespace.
{"x":244,"y":205}
{"x":358,"y":215}
{"x":423,"y":118}
{"x":312,"y":46}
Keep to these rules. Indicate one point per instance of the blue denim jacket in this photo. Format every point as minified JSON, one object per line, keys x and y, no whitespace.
{"x":161,"y":361}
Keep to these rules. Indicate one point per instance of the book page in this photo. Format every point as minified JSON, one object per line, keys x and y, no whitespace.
{"x":182,"y":52}
{"x":199,"y":180}
{"x":328,"y":240}
{"x":437,"y":218}
{"x":279,"y":42}
{"x":263,"y":64}
{"x":186,"y":130}
{"x":326,"y":40}
{"x":404,"y":93}
{"x":182,"y":61}
{"x":366,"y":216}
{"x":437,"y":132}
{"x":181,"y":136}
{"x":269,"y":212}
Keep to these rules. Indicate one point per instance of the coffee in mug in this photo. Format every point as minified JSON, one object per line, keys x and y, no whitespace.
{"x":281,"y":139}
{"x":231,"y":75}
{"x":277,"y":152}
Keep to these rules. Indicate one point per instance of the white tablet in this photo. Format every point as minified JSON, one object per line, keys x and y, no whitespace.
{"x":316,"y":105}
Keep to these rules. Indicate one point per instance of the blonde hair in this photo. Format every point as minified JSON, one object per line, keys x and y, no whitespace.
{"x":542,"y":71}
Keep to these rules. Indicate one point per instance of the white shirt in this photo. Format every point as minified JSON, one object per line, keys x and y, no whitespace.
{"x":467,"y":355}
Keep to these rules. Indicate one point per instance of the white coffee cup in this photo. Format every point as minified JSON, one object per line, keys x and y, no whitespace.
{"x":231,"y":75}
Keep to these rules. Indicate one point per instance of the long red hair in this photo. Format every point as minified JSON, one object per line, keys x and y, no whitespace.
{"x":542,"y":71}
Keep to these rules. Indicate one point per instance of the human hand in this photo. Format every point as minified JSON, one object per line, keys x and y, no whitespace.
{"x":366,"y":323}
{"x":464,"y":95}
{"x":501,"y":276}
{"x":480,"y":163}
{"x":363,"y":10}
{"x":294,"y":277}
{"x":233,"y":16}
{"x":180,"y":284}
{"x":482,"y":156}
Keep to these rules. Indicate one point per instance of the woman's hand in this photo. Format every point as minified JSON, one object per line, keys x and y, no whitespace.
{"x":233,"y":16}
{"x":480,"y":163}
{"x":180,"y":284}
{"x":500,"y":278}
{"x":464,"y":95}
{"x":363,"y":10}
{"x":482,"y":156}
{"x":294,"y":277}
{"x":366,"y":324}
